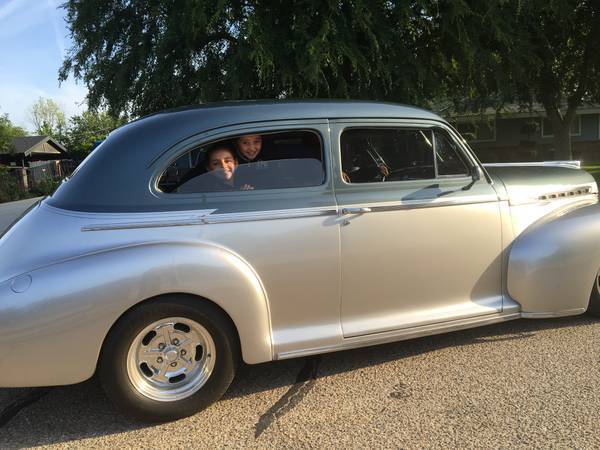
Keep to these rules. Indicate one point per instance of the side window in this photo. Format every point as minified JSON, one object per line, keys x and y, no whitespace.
{"x":386,"y":154}
{"x":397,"y":154}
{"x":248,"y":162}
{"x":450,"y":160}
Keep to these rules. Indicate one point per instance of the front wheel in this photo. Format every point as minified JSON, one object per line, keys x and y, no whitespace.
{"x":594,"y":305}
{"x":168,"y":358}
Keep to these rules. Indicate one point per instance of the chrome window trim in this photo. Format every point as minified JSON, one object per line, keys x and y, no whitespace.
{"x":165,"y":161}
{"x":408,"y":124}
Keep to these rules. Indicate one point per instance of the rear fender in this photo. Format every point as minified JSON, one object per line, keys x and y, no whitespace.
{"x":54,"y":329}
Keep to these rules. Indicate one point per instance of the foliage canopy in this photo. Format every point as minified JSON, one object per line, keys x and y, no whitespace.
{"x":140,"y":57}
{"x":8,"y":132}
{"x":48,"y":118}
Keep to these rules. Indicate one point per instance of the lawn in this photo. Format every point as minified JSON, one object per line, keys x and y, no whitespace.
{"x":594,"y":169}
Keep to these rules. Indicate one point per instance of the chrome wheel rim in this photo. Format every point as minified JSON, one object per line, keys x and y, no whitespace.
{"x":171,"y":359}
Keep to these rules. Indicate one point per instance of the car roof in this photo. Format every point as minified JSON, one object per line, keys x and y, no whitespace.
{"x":123,"y":163}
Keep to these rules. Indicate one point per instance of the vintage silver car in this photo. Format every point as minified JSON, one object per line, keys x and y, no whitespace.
{"x":196,"y":238}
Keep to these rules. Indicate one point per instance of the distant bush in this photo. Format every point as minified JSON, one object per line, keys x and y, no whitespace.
{"x":45,"y":187}
{"x":9,"y":187}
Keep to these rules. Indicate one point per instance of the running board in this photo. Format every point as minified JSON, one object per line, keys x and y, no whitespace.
{"x":404,"y":334}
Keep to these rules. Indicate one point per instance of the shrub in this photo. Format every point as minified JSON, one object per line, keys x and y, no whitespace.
{"x":9,"y":187}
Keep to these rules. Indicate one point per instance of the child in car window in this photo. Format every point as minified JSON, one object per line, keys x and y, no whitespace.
{"x":220,"y":162}
{"x":249,"y":148}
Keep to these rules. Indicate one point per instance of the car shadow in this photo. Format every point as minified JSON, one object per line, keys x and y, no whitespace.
{"x":32,"y":417}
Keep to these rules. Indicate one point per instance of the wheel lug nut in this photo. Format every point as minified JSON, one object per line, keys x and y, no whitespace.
{"x":161,"y":346}
{"x":173,"y":364}
{"x":159,"y":360}
{"x":175,"y":341}
{"x":183,"y":352}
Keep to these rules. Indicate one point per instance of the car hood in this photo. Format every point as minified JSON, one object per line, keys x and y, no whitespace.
{"x":527,"y":184}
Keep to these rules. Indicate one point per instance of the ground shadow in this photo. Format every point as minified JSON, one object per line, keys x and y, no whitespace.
{"x":64,"y":414}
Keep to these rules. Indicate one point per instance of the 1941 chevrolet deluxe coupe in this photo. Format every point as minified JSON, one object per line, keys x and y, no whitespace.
{"x":193,"y":238}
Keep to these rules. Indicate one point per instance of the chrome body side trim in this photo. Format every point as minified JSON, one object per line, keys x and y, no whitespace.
{"x":210,"y":218}
{"x":570,"y":164}
{"x":418,"y":204}
{"x":217,"y":218}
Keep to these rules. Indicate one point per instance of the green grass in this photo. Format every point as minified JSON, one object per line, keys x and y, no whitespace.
{"x":594,"y":169}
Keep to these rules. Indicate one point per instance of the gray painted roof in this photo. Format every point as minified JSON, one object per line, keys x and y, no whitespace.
{"x":27,"y":144}
{"x":117,"y":174}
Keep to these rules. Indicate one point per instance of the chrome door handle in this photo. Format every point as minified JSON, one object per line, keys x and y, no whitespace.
{"x":346,"y":211}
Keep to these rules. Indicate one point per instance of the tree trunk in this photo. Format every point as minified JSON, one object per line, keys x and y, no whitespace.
{"x":561,"y":127}
{"x":562,"y":142}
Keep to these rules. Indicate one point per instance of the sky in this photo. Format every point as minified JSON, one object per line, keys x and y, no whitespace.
{"x":33,"y":41}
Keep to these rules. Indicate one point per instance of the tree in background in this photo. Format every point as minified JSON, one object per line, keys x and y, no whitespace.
{"x":140,"y":57}
{"x":48,"y":118}
{"x":525,"y":52}
{"x":85,"y":131}
{"x":9,"y":189}
{"x":8,"y":132}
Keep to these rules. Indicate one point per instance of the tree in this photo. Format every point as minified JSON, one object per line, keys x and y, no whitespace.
{"x":8,"y":132}
{"x":48,"y":118}
{"x":530,"y":51}
{"x":140,"y":57}
{"x":86,"y":130}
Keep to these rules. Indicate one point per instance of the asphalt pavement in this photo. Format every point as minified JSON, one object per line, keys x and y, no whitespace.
{"x":11,"y":211}
{"x":520,"y":384}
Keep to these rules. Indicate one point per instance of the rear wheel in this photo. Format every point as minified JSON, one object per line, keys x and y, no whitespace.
{"x":169,"y":358}
{"x":594,"y":305}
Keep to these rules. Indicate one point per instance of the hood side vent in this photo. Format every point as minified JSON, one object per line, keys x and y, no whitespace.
{"x":570,"y":193}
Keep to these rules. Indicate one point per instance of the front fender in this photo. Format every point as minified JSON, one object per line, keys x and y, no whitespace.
{"x":52,"y":332}
{"x":552,"y":265}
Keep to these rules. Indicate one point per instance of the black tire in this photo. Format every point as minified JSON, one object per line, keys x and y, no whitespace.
{"x":594,"y":305}
{"x":113,"y":368}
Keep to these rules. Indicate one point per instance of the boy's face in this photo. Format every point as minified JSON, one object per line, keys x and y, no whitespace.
{"x":250,"y":145}
{"x":223,"y":161}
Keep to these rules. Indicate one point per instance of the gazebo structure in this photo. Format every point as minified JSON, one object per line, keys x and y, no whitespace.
{"x":34,"y":158}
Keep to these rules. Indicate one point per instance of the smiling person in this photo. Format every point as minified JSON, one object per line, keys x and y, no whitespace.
{"x":220,"y":162}
{"x":249,"y":148}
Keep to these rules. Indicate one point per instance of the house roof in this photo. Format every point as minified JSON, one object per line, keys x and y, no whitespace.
{"x":514,"y":111}
{"x":27,"y":145}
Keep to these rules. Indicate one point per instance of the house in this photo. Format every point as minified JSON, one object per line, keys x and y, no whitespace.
{"x":514,"y":134}
{"x":35,"y":158}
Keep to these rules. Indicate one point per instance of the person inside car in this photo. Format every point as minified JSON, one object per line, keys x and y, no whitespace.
{"x":221,"y":163}
{"x":250,"y":148}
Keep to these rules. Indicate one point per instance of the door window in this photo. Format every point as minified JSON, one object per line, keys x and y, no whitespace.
{"x":398,"y":154}
{"x":248,"y":162}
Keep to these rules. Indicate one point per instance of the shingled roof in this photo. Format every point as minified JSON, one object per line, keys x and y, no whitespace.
{"x":37,"y":144}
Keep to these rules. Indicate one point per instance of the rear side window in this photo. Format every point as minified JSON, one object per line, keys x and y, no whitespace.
{"x":248,"y":162}
{"x":398,"y":154}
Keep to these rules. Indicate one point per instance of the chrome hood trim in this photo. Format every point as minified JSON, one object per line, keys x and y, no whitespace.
{"x":528,"y":183}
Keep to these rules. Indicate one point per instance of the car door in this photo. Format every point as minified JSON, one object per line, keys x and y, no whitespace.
{"x":420,"y":236}
{"x":284,"y":227}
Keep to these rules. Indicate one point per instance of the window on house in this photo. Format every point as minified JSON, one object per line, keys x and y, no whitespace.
{"x":480,"y":130}
{"x":547,"y":130}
